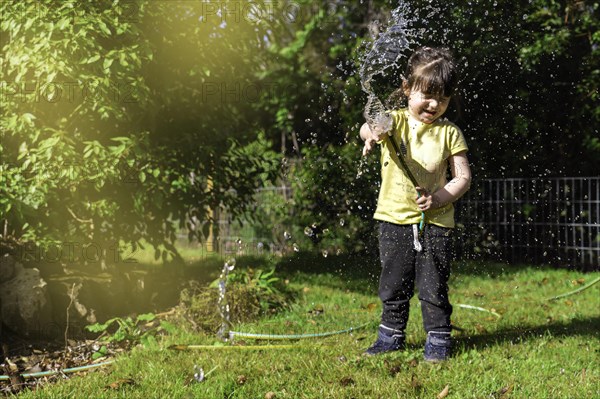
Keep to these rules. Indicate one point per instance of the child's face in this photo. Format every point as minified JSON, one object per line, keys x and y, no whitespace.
{"x":426,"y":107}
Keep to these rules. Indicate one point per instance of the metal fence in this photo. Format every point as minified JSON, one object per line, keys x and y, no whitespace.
{"x":245,"y":236}
{"x":541,"y":221}
{"x":552,"y":221}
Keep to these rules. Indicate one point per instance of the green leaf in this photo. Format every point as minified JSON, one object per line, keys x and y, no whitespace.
{"x":104,"y":28}
{"x":148,"y":341}
{"x":168,"y":327}
{"x":22,"y":150}
{"x":107,"y":63}
{"x":123,"y":59}
{"x":29,"y":118}
{"x":93,"y":59}
{"x":98,"y":327}
{"x":146,"y":317}
{"x":268,"y":274}
{"x":63,"y":23}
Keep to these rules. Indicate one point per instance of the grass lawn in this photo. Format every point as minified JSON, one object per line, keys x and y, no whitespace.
{"x":537,"y":348}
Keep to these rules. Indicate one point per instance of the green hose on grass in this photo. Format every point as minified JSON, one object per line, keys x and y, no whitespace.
{"x":464,"y":306}
{"x":274,"y":337}
{"x":63,"y":371}
{"x":230,"y":347}
{"x":267,"y":337}
{"x":585,"y":287}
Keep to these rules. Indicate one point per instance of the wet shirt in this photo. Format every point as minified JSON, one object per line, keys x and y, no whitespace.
{"x":426,"y":148}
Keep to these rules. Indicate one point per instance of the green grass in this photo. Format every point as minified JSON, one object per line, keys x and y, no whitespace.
{"x":191,"y":252}
{"x":537,"y":349}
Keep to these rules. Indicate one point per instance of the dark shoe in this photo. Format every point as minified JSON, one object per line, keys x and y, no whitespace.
{"x":388,"y":340}
{"x":438,"y":346}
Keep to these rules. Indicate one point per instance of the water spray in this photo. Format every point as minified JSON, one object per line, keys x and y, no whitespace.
{"x":223,"y":332}
{"x":386,"y":52}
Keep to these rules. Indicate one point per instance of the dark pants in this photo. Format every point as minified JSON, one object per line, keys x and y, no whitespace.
{"x":402,"y":265}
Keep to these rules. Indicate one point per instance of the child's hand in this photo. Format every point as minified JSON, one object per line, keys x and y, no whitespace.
{"x":369,"y":144}
{"x":425,"y":200}
{"x":370,"y":137}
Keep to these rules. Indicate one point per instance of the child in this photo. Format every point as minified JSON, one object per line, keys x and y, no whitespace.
{"x":428,"y":145}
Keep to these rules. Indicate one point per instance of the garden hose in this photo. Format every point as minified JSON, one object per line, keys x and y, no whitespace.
{"x":462,"y":305}
{"x":585,"y":287}
{"x":411,"y":177}
{"x":233,"y":334}
{"x":63,"y":371}
{"x":224,"y":347}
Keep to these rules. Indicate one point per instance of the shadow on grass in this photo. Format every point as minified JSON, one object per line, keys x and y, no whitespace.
{"x":366,"y":267}
{"x":584,"y":327}
{"x":358,"y":273}
{"x":492,"y":269}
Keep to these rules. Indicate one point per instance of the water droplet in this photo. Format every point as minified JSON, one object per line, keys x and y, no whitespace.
{"x":230,"y":263}
{"x":199,"y":373}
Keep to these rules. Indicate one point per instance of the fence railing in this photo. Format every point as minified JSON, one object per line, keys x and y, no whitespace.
{"x":552,"y":221}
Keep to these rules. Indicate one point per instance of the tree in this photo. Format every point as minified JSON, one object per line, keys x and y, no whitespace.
{"x":526,"y":103}
{"x":106,"y":136}
{"x":529,"y":79}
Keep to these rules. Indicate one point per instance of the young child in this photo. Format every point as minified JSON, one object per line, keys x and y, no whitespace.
{"x":429,"y":145}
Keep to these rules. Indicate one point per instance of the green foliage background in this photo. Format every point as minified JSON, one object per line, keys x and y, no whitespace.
{"x":131,"y":119}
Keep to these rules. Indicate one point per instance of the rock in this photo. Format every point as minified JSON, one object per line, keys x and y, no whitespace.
{"x":35,"y":303}
{"x":78,"y":296}
{"x":24,"y":305}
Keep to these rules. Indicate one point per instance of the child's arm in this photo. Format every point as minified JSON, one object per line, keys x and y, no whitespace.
{"x":453,"y":190}
{"x":369,"y":137}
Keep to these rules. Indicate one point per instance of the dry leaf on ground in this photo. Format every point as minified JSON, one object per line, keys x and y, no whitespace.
{"x":120,"y":383}
{"x":444,"y":392}
{"x":346,"y":381}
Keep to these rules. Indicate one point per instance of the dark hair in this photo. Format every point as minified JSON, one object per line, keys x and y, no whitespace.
{"x":432,"y":70}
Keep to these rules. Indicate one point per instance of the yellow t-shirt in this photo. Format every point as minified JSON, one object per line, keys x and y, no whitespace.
{"x":426,"y":148}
